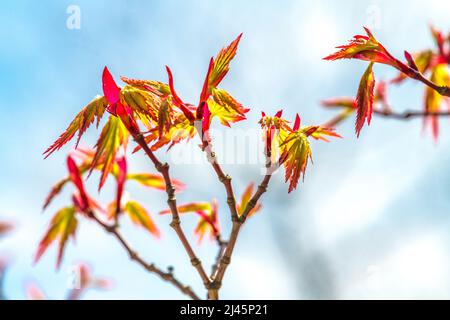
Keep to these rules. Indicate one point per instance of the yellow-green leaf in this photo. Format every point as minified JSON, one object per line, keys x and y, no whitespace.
{"x":245,"y":198}
{"x":154,"y":181}
{"x":433,"y":100}
{"x":364,"y":99}
{"x":222,"y":62}
{"x":93,"y":111}
{"x":141,"y":217}
{"x":296,"y":152}
{"x":114,"y":135}
{"x":62,"y":226}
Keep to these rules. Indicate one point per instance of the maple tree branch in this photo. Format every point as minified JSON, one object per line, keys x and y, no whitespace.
{"x":228,"y":252}
{"x":410,"y":114}
{"x":150,"y":267}
{"x":442,"y":90}
{"x":225,"y":179}
{"x":171,"y":201}
{"x":222,"y":244}
{"x":388,"y":113}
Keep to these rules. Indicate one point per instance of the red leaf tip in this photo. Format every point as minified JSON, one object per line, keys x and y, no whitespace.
{"x":297,"y":122}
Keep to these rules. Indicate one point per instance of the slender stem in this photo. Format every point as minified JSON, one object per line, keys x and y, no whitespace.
{"x":221,"y":246}
{"x":150,"y":267}
{"x":442,"y":90}
{"x":224,"y":178}
{"x":410,"y":114}
{"x":333,"y":122}
{"x":226,"y":257}
{"x":387,"y":113}
{"x":171,"y":201}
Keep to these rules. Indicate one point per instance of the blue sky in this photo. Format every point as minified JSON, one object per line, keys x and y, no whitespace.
{"x":371,"y":219}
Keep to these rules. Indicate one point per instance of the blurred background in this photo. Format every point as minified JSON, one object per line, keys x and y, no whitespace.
{"x":371,"y":219}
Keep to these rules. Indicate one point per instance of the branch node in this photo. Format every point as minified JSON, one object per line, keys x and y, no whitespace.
{"x":110,"y":228}
{"x":175,"y":222}
{"x":263,"y":187}
{"x":215,"y":285}
{"x":225,"y":260}
{"x":225,"y":178}
{"x":195,"y":262}
{"x":133,"y":255}
{"x":186,"y":289}
{"x":251,"y":204}
{"x":231,"y":201}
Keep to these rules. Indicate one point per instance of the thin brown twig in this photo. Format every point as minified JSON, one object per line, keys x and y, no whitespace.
{"x":226,"y":257}
{"x":222,"y":244}
{"x":225,"y":179}
{"x":150,"y":267}
{"x":387,"y":113}
{"x":171,"y":201}
{"x":410,"y":114}
{"x":442,"y":90}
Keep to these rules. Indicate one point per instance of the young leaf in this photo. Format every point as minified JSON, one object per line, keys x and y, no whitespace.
{"x":207,"y":212}
{"x":340,"y":102}
{"x":410,"y":61}
{"x":110,"y":89}
{"x":367,"y":48}
{"x":203,"y":113}
{"x":208,"y":223}
{"x":141,"y":217}
{"x":154,"y":181}
{"x":164,"y":117}
{"x":121,"y":178}
{"x":141,"y":102}
{"x":433,"y":100}
{"x":125,"y":103}
{"x":224,"y":114}
{"x":62,"y":226}
{"x":90,"y":113}
{"x":295,"y":156}
{"x":364,"y":99}
{"x":158,"y":88}
{"x":320,"y":133}
{"x":181,"y":129}
{"x":274,"y":130}
{"x":191,"y":207}
{"x":439,"y":39}
{"x":296,"y":151}
{"x":56,"y":189}
{"x":113,"y":136}
{"x":87,"y":156}
{"x":74,"y":173}
{"x":422,"y":60}
{"x":230,"y":106}
{"x":204,"y":95}
{"x":222,"y":62}
{"x":176,"y":99}
{"x":245,"y":198}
